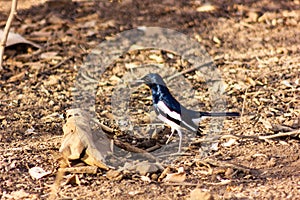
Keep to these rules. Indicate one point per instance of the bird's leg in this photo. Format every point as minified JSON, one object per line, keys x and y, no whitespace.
{"x":180,"y":140}
{"x":172,"y":131}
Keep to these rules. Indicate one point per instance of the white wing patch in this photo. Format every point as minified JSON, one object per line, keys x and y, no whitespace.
{"x":187,"y":125}
{"x":169,"y":122}
{"x":162,"y":106}
{"x":198,"y":120}
{"x":173,"y":124}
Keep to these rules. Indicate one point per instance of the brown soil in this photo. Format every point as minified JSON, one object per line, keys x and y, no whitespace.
{"x":255,"y":45}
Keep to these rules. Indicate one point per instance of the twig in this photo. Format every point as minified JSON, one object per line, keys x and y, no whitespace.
{"x":295,"y":132}
{"x":54,"y":188}
{"x":244,"y":101}
{"x":153,"y":148}
{"x":224,"y":137}
{"x":174,"y":154}
{"x":189,"y":70}
{"x":57,"y":65}
{"x":79,"y":170}
{"x":106,"y":128}
{"x":281,"y":128}
{"x":247,"y":25}
{"x":6,"y":30}
{"x":126,"y":146}
{"x":224,"y":182}
{"x":253,"y":137}
{"x":229,"y":165}
{"x":181,"y":184}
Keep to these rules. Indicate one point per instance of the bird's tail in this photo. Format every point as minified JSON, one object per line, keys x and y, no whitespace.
{"x":198,"y":116}
{"x":219,"y":114}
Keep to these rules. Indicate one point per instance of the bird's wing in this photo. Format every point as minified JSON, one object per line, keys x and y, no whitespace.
{"x":168,"y":111}
{"x":179,"y":116}
{"x":172,"y":110}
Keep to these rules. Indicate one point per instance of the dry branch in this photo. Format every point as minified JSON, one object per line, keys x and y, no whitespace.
{"x":130,"y":148}
{"x":291,"y":133}
{"x":251,"y":137}
{"x":79,"y":170}
{"x":6,"y":30}
{"x":189,"y":70}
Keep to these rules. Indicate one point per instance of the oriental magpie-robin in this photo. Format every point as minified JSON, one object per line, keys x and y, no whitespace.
{"x":170,"y":111}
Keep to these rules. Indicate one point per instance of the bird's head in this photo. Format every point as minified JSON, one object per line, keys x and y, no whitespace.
{"x":153,"y":79}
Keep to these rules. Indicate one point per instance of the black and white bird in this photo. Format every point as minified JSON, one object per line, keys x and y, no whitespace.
{"x":171,"y":112}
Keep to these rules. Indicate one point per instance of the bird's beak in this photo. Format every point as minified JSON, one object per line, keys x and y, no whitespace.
{"x":137,"y":82}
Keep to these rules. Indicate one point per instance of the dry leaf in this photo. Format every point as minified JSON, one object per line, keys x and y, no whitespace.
{"x":131,"y":65}
{"x":146,"y":179}
{"x":79,"y":170}
{"x":135,"y":47}
{"x":134,"y":193}
{"x":71,"y":146}
{"x":216,"y":40}
{"x":214,"y":146}
{"x":14,"y":38}
{"x":20,"y":194}
{"x":206,"y":8}
{"x":49,"y":55}
{"x":78,"y":137}
{"x":230,"y":142}
{"x":252,"y":16}
{"x":17,"y":77}
{"x":52,"y":117}
{"x":93,"y":160}
{"x":44,"y":34}
{"x":156,"y":58}
{"x":114,"y":80}
{"x":266,"y":123}
{"x":38,"y":172}
{"x":144,"y":167}
{"x":164,"y":174}
{"x":251,"y":81}
{"x":107,"y":24}
{"x":52,"y":80}
{"x":54,"y":4}
{"x":197,"y":194}
{"x":72,"y":179}
{"x":114,"y":175}
{"x":178,"y":177}
{"x":286,"y":83}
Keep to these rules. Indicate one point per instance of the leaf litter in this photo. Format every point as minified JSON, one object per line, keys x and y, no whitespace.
{"x":258,"y":56}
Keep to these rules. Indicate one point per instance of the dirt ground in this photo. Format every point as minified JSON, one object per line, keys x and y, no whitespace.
{"x":255,"y":46}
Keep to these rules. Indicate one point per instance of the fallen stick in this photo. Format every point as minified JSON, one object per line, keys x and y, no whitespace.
{"x":6,"y":30}
{"x":224,"y":182}
{"x":266,"y":137}
{"x":57,"y":65}
{"x":133,"y":149}
{"x":295,"y":132}
{"x":79,"y":170}
{"x":189,"y":70}
{"x":227,"y":164}
{"x":217,"y":137}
